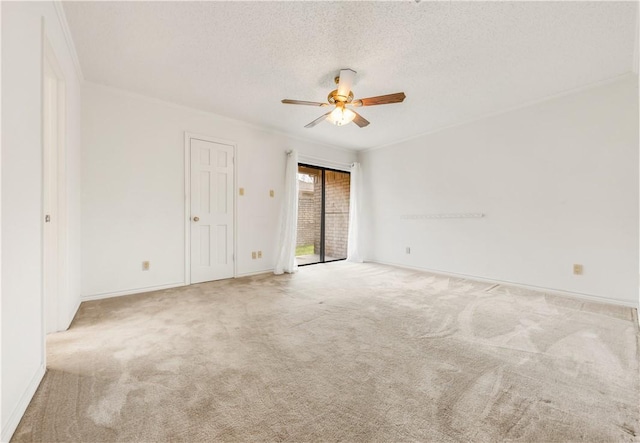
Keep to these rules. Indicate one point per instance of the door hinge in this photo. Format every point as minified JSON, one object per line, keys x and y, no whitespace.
{"x":47,"y":218}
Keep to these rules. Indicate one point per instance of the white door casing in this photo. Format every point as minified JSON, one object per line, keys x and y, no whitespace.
{"x":49,"y":198}
{"x":54,"y":201}
{"x":211,"y":203}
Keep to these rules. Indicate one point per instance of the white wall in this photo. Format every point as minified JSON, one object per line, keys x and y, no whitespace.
{"x":558,"y":182}
{"x":133,"y":189}
{"x":22,"y":333}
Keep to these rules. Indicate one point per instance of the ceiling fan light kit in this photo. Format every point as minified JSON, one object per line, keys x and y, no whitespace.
{"x":342,"y":116}
{"x":343,"y":97}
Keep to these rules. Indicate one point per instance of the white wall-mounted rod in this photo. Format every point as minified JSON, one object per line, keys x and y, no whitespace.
{"x":440,"y":216}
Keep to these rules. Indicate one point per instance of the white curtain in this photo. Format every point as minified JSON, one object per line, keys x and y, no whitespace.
{"x":353,"y":241}
{"x":286,"y":259}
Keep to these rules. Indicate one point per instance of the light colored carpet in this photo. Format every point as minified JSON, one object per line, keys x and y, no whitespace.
{"x":340,"y":352}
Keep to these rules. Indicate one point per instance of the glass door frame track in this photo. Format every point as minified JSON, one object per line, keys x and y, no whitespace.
{"x":322,"y":212}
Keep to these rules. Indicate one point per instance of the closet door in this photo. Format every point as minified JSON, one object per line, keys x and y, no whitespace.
{"x":211,"y":211}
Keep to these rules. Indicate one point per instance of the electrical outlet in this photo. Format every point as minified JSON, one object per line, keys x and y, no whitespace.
{"x":272,"y":193}
{"x":145,"y":265}
{"x":577,"y":269}
{"x":407,"y":250}
{"x":259,"y":254}
{"x":241,"y":191}
{"x":253,"y":255}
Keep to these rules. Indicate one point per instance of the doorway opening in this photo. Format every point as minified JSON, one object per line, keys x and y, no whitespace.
{"x":323,"y":214}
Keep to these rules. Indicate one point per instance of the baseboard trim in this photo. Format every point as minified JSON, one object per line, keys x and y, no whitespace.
{"x":249,"y":274}
{"x":579,"y":295}
{"x":16,"y":415}
{"x":103,"y":295}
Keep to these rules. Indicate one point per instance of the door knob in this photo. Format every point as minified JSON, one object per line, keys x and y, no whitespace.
{"x":196,"y":219}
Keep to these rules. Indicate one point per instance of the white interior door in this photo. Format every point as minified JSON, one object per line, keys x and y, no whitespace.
{"x":50,"y":197}
{"x":212,"y":224}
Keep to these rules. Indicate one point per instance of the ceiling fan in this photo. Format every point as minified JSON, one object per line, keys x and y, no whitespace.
{"x":343,"y":97}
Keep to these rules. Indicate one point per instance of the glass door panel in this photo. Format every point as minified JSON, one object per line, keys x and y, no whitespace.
{"x":336,"y":214}
{"x":309,"y":215}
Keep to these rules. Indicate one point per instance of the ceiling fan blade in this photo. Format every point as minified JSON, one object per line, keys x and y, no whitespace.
{"x":398,"y":97}
{"x":286,"y":101}
{"x":360,"y":120}
{"x":345,"y":83}
{"x":318,"y":120}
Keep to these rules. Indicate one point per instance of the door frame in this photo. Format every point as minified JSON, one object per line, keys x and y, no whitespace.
{"x":187,"y":200}
{"x":60,"y":155}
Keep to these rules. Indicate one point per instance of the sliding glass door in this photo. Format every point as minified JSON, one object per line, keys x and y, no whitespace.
{"x":323,"y":214}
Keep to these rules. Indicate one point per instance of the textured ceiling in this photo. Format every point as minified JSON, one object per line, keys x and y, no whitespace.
{"x":454,"y":60}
